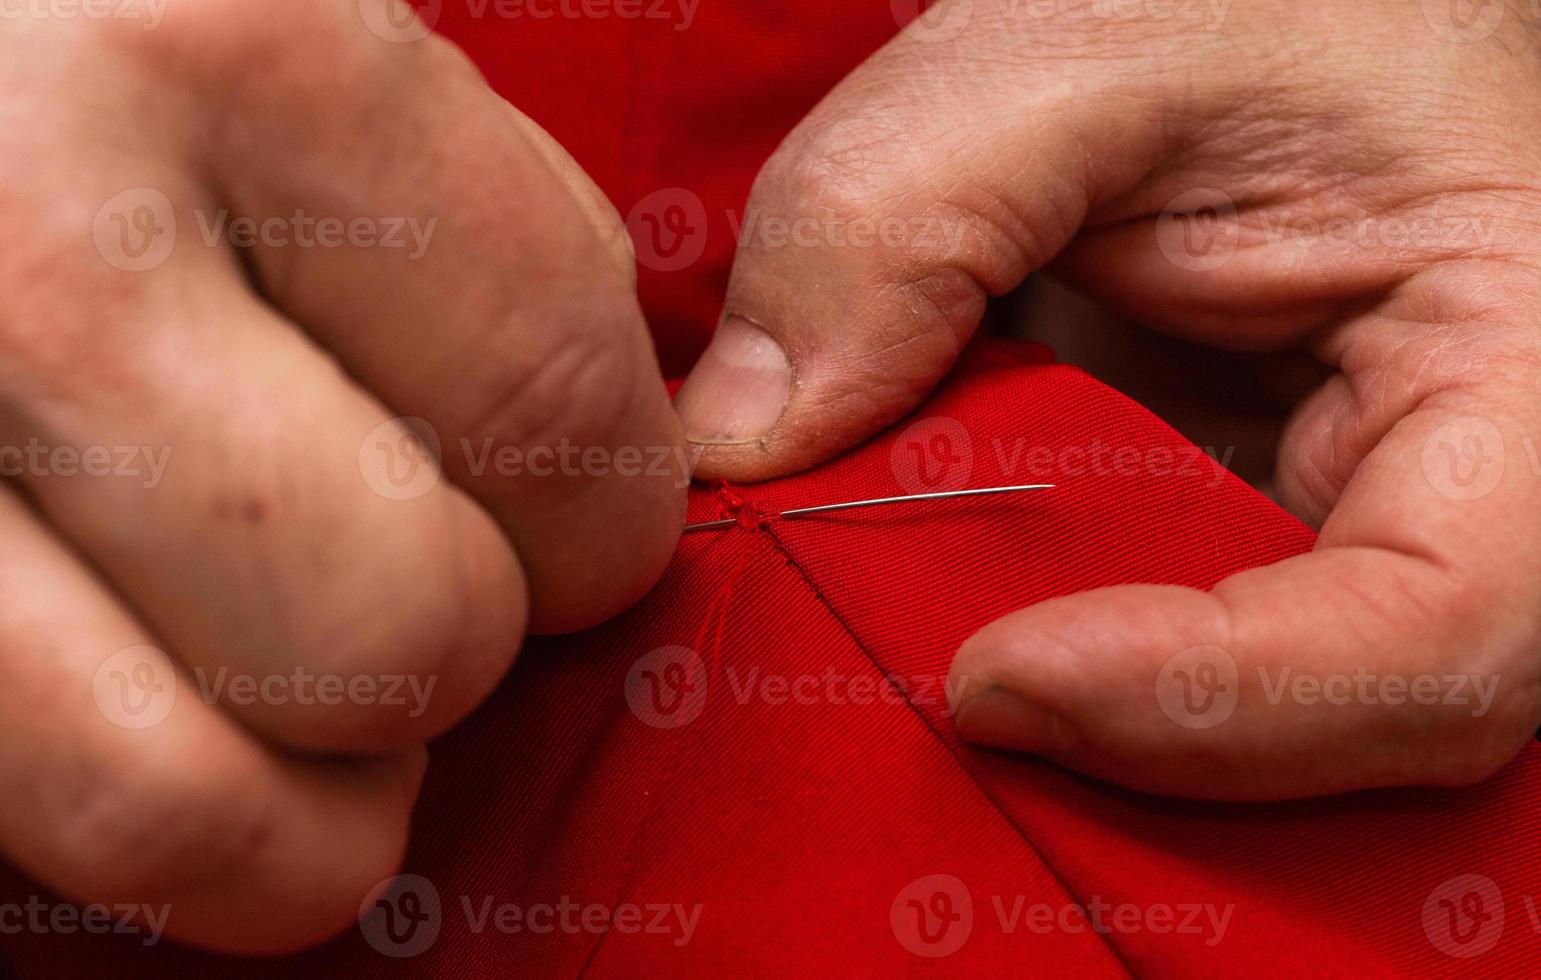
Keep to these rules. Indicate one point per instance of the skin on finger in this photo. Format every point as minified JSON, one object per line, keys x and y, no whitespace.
{"x":1095,"y":142}
{"x":888,"y":218}
{"x":1401,"y":651}
{"x":508,"y":320}
{"x":257,"y":508}
{"x":332,"y":594}
{"x":123,"y":786}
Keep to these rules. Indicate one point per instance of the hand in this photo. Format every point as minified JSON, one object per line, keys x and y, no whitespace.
{"x":1360,"y":181}
{"x":238,"y":597}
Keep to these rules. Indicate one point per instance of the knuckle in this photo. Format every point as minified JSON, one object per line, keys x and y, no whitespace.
{"x":850,"y":163}
{"x":318,"y":56}
{"x":132,"y":824}
{"x":55,"y":344}
{"x":391,"y":674}
{"x":1482,"y":733}
{"x":581,"y":384}
{"x":241,"y":33}
{"x":1481,"y":747}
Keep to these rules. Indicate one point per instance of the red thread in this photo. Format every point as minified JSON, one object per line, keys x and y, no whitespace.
{"x":735,"y":506}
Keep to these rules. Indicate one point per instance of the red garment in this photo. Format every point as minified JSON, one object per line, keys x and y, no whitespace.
{"x":844,"y":835}
{"x":803,"y":825}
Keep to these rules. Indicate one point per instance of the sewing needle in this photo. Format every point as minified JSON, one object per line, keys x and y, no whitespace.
{"x":850,"y":504}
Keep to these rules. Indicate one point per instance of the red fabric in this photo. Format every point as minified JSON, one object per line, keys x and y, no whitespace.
{"x":647,"y":108}
{"x":804,"y":831}
{"x":797,"y":824}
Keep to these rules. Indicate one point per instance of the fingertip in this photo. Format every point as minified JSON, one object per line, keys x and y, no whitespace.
{"x":739,"y":388}
{"x":997,"y":717}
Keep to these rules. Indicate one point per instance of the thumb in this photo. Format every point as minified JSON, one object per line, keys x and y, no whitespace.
{"x":933,"y":177}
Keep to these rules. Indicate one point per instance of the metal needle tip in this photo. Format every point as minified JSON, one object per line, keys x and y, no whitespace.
{"x":850,"y":504}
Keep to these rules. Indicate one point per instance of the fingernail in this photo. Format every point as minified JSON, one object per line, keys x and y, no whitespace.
{"x":738,"y":389}
{"x":998,"y":718}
